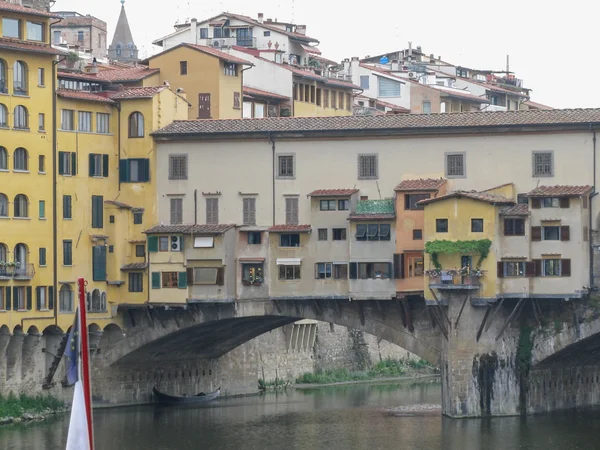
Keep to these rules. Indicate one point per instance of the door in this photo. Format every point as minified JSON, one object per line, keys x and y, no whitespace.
{"x":466,"y":263}
{"x":204,"y":106}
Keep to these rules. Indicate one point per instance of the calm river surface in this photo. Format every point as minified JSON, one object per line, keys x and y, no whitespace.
{"x":333,"y":418}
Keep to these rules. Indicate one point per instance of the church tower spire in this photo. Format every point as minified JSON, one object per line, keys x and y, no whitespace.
{"x":123,"y":49}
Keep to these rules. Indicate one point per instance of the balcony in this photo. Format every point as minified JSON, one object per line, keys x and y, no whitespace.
{"x":453,"y":280}
{"x":242,"y":41}
{"x":23,"y":272}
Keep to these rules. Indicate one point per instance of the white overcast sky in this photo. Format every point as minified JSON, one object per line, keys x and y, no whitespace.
{"x":550,"y":44}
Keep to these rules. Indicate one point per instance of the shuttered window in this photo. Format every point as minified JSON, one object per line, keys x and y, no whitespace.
{"x":67,"y":212}
{"x":291,"y":211}
{"x":98,"y":165}
{"x":136,"y":170}
{"x":212,"y":211}
{"x":388,"y":88}
{"x":85,"y":121}
{"x":42,"y":257}
{"x":136,"y":282}
{"x":176,"y":211}
{"x":67,"y":163}
{"x":543,"y":164}
{"x":97,"y":211}
{"x":249,"y":211}
{"x":285,"y":166}
{"x":99,"y":263}
{"x":178,"y":167}
{"x":67,"y":253}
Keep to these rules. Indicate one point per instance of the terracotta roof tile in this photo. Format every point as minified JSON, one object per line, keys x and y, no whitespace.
{"x":268,"y":26}
{"x":138,"y":92}
{"x":290,"y":229}
{"x":79,"y":95}
{"x":13,"y":7}
{"x":479,"y":196}
{"x":121,"y":75}
{"x":29,"y":47}
{"x":118,"y":204}
{"x":259,"y":93}
{"x":537,"y":105}
{"x":190,"y":229}
{"x":462,"y":95}
{"x":333,"y":192}
{"x":517,"y":210}
{"x":562,"y":191}
{"x":135,"y":266}
{"x":314,"y":76}
{"x":423,"y":184}
{"x":360,"y":217}
{"x":219,"y":54}
{"x":408,"y":122}
{"x":166,"y":229}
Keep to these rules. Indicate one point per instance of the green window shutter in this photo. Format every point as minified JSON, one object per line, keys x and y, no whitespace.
{"x":105,"y":166}
{"x":38,"y":300}
{"x":50,"y":298}
{"x":99,"y":263}
{"x":146,"y":172}
{"x":155,"y":280}
{"x":97,"y":211}
{"x":92,"y":165}
{"x":153,"y":244}
{"x":182,"y":280}
{"x":124,"y":170}
{"x":61,"y":163}
{"x":353,"y":271}
{"x":73,"y":163}
{"x":29,"y":298}
{"x":42,"y":212}
{"x":15,"y":298}
{"x":8,"y":291}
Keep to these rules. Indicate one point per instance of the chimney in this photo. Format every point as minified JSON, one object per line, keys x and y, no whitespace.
{"x":346,"y":65}
{"x":301,"y":29}
{"x":269,"y":20}
{"x":432,"y":57}
{"x":409,"y":48}
{"x":354,"y":65}
{"x":395,"y":65}
{"x":419,"y":49}
{"x":194,"y":31}
{"x":94,"y":68}
{"x":261,"y":17}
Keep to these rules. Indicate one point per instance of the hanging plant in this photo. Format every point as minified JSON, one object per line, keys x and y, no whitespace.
{"x":481,"y":247}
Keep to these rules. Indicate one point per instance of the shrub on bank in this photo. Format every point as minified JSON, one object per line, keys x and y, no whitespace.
{"x":15,"y":406}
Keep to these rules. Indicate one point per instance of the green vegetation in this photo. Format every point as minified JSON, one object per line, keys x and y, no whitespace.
{"x":558,"y":325}
{"x":384,"y":369}
{"x":13,"y":406}
{"x":524,"y":350}
{"x":434,"y":248}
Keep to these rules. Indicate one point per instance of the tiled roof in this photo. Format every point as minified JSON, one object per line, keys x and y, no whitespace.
{"x":121,"y":75}
{"x":190,"y":229}
{"x":13,"y":7}
{"x":462,"y":95}
{"x":423,"y":184}
{"x":493,"y":87}
{"x":118,"y":204}
{"x":333,"y":192}
{"x":408,"y":122}
{"x":386,"y":104}
{"x":29,"y":47}
{"x":218,"y":53}
{"x":563,"y":191}
{"x":138,"y":92}
{"x":268,"y":26}
{"x":309,"y":74}
{"x":290,"y":229}
{"x":517,"y":210}
{"x":384,"y":216}
{"x":479,"y":196}
{"x":135,"y":266}
{"x":260,"y":93}
{"x":537,"y":105}
{"x":79,"y":95}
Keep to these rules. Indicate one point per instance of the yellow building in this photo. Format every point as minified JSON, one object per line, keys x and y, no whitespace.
{"x":461,"y":235}
{"x":212,"y":79}
{"x":26,"y":168}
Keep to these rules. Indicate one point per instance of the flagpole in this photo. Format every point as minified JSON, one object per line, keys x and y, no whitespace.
{"x":85,"y":359}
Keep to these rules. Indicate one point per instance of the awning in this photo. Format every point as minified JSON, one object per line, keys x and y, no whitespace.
{"x":251,"y":260}
{"x":311,"y":50}
{"x":204,"y":242}
{"x":289,"y":261}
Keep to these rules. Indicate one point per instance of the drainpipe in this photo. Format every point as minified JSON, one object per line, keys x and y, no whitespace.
{"x":195,"y":206}
{"x":592,"y":195}
{"x":272,"y":142}
{"x":119,"y":142}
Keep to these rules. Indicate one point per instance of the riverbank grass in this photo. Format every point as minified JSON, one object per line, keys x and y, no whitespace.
{"x":16,"y":406}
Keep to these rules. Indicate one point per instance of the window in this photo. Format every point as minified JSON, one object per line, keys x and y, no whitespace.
{"x":3,"y":158}
{"x":254,"y":237}
{"x":285,"y":166}
{"x":138,"y":217}
{"x":85,"y":121}
{"x":170,"y":280}
{"x":203,"y":33}
{"x":514,"y":268}
{"x":98,"y":165}
{"x":388,"y":88}
{"x":41,"y":164}
{"x":42,"y":257}
{"x":21,"y":117}
{"x":426,"y":107}
{"x":3,"y":205}
{"x":417,"y":235}
{"x":11,"y":28}
{"x":291,"y":211}
{"x":67,"y":212}
{"x":3,"y":78}
{"x":455,"y":165}
{"x":411,"y":200}
{"x":551,"y":267}
{"x":319,"y":96}
{"x":249,"y":211}
{"x":230,"y":69}
{"x":340,"y":271}
{"x":134,"y":170}
{"x":368,"y":167}
{"x":476,"y":225}
{"x":212,"y":211}
{"x":97,"y":211}
{"x":136,"y":282}
{"x":21,"y":206}
{"x":67,"y":163}
{"x":67,"y":253}
{"x":322,"y":234}
{"x":2,"y":299}
{"x":40,"y":296}
{"x":414,"y":266}
{"x":178,"y":167}
{"x":364,"y":81}
{"x":102,"y":123}
{"x":339,"y":234}
{"x":80,"y":36}
{"x":323,"y":271}
{"x":207,"y":275}
{"x":41,"y":77}
{"x":176,"y":209}
{"x":42,"y":209}
{"x":373,"y":270}
{"x":136,"y":125}
{"x":3,"y":115}
{"x":327,"y":205}
{"x":56,"y":37}
{"x":551,"y":233}
{"x":252,"y":274}
{"x":514,"y":227}
{"x":289,"y":240}
{"x":373,"y":232}
{"x":19,"y":302}
{"x":21,"y":159}
{"x":266,"y":33}
{"x":343,"y":205}
{"x":140,"y":251}
{"x":543,"y":164}
{"x":41,"y":121}
{"x":163,"y":244}
{"x":182,"y":67}
{"x":287,"y":273}
{"x":326,"y":98}
{"x":237,"y":102}
{"x":67,"y":120}
{"x":65,"y":298}
{"x":441,"y":225}
{"x":549,"y":202}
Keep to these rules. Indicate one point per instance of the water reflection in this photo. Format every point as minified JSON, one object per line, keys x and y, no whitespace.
{"x":341,"y":417}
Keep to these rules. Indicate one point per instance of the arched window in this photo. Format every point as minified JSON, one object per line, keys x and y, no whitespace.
{"x":3,"y":159}
{"x":97,"y":301}
{"x":21,"y":206}
{"x":20,"y":78}
{"x":3,"y":206}
{"x":4,"y":272}
{"x":119,"y":49}
{"x":65,"y":298}
{"x":136,"y":125}
{"x":3,"y":115}
{"x":21,"y":159}
{"x":21,"y":255}
{"x":3,"y":78}
{"x":21,"y":117}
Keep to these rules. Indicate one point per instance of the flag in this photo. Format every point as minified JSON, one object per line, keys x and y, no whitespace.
{"x":72,"y":352}
{"x":78,"y":438}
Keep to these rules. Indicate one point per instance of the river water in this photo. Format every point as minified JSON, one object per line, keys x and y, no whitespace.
{"x":351,"y":417}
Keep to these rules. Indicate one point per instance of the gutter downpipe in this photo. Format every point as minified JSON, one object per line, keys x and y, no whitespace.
{"x":195,"y":206}
{"x":272,"y":142}
{"x":592,"y":195}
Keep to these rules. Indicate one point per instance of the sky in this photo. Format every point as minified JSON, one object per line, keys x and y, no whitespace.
{"x":546,"y":41}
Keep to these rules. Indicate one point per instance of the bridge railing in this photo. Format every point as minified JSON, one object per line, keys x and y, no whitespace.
{"x":451,"y":279}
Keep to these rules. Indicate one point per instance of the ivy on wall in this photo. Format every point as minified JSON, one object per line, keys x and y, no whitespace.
{"x":481,"y":247}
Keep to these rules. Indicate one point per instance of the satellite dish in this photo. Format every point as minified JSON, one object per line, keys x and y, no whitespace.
{"x":384,"y":60}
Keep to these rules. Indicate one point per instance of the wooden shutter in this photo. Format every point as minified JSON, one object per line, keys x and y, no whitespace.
{"x":564,"y":202}
{"x":565,"y":267}
{"x":190,"y":276}
{"x":398,"y":265}
{"x":536,"y":233}
{"x":97,"y":211}
{"x":212,"y":211}
{"x":537,"y":267}
{"x":182,"y":280}
{"x":73,"y":164}
{"x":536,"y":203}
{"x":50,"y":298}
{"x":353,"y":271}
{"x":530,"y":269}
{"x":204,"y":106}
{"x":29,"y":291}
{"x":123,"y":170}
{"x":220,"y":276}
{"x":291,"y":211}
{"x":500,"y":269}
{"x":105,"y":166}
{"x":15,"y":298}
{"x":99,"y":263}
{"x":565,"y":233}
{"x":145,"y":164}
{"x":92,"y":159}
{"x":249,"y":211}
{"x":61,"y":163}
{"x":38,"y":300}
{"x":155,"y":280}
{"x":152,"y":244}
{"x":8,"y":292}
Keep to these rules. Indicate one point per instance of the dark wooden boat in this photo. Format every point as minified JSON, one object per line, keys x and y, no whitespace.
{"x":166,"y":399}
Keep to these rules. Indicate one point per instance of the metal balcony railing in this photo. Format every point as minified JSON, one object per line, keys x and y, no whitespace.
{"x":23,"y":272}
{"x":451,"y":280}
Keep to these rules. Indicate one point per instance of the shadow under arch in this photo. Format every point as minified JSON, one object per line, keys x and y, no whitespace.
{"x":30,"y":344}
